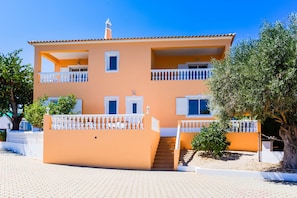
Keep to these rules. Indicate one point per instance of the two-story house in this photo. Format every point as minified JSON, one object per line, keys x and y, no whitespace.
{"x":165,"y":76}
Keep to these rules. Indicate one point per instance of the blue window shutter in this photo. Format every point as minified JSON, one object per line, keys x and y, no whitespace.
{"x":193,"y":107}
{"x":112,"y":109}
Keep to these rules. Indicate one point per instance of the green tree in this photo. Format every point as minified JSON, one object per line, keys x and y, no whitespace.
{"x":16,"y":87}
{"x":260,"y":77}
{"x":35,"y":111}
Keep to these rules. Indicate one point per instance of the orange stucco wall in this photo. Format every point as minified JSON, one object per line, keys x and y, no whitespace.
{"x":129,"y":149}
{"x":243,"y":141}
{"x":135,"y":64}
{"x":240,"y":141}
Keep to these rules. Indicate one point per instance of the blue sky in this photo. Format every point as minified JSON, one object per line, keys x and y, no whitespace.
{"x":25,"y":20}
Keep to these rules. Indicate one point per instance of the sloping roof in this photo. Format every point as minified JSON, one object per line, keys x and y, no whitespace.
{"x":133,"y":39}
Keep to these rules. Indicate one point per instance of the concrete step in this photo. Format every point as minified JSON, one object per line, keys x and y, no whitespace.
{"x":165,"y":154}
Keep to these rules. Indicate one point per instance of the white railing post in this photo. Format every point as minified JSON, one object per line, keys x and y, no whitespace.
{"x":177,"y":140}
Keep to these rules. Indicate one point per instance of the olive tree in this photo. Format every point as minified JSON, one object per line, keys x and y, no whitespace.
{"x":259,"y":77}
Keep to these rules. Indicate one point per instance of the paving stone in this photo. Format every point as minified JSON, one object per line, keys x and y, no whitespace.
{"x":25,"y":177}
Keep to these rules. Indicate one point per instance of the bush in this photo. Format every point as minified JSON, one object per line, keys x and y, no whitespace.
{"x":34,"y":112}
{"x":211,"y":139}
{"x":2,"y":135}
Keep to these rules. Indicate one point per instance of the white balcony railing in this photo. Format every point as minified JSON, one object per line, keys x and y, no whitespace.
{"x":63,"y":77}
{"x":243,"y":126}
{"x":97,"y":122}
{"x":234,"y":125}
{"x":181,"y":74}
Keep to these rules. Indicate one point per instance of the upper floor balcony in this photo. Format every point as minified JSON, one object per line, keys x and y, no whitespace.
{"x":63,"y":67}
{"x":63,"y":77}
{"x":181,"y":74}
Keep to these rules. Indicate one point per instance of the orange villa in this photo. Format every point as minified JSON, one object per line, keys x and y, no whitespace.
{"x":139,"y":100}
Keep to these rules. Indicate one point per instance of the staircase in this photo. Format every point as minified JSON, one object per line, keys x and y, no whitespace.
{"x":164,"y":158}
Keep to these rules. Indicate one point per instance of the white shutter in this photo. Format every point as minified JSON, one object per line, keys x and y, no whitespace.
{"x":181,"y":106}
{"x":78,"y":107}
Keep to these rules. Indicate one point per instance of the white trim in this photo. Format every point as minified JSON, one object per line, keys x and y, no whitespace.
{"x":106,"y":103}
{"x":134,"y":99}
{"x":108,"y":54}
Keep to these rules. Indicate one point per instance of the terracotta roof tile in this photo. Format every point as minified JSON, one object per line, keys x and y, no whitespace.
{"x":135,"y":38}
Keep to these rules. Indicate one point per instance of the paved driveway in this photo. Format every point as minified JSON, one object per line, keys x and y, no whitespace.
{"x":25,"y":177}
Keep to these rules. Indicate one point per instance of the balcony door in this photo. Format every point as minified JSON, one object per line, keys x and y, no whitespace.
{"x":134,"y":104}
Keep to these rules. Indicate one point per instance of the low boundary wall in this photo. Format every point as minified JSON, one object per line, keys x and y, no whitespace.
{"x":109,"y":148}
{"x":25,"y":143}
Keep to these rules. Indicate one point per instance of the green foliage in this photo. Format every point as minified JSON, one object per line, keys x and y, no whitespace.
{"x":259,"y":76}
{"x":211,"y":139}
{"x":16,"y":86}
{"x":34,"y":112}
{"x":2,"y":135}
{"x":63,"y":106}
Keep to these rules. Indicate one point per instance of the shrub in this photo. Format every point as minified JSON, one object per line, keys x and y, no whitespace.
{"x":2,"y":135}
{"x":34,"y":112}
{"x":211,"y":139}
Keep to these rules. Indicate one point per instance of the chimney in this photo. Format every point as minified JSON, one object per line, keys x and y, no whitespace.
{"x":107,"y":34}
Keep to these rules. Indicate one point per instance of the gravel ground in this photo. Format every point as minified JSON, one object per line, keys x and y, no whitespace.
{"x":235,"y":160}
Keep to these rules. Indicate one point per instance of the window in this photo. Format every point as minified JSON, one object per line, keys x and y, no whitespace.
{"x":111,"y":104}
{"x":112,"y":61}
{"x":112,"y":107}
{"x":198,"y":107}
{"x":134,"y":108}
{"x":192,"y":106}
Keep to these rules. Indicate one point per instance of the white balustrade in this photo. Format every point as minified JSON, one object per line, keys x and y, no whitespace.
{"x":194,"y":125}
{"x":97,"y":122}
{"x":155,"y":125}
{"x":181,"y":74}
{"x":243,"y":126}
{"x":63,"y":77}
{"x":234,"y":125}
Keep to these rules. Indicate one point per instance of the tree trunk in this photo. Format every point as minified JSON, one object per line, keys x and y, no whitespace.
{"x":16,"y":122}
{"x":288,"y":134}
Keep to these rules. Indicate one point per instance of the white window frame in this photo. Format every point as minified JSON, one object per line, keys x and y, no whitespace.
{"x":108,"y":54}
{"x":106,"y":103}
{"x":134,"y":99}
{"x":198,"y":97}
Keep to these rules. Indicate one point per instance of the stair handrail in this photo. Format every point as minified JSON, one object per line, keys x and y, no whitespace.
{"x":177,"y":142}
